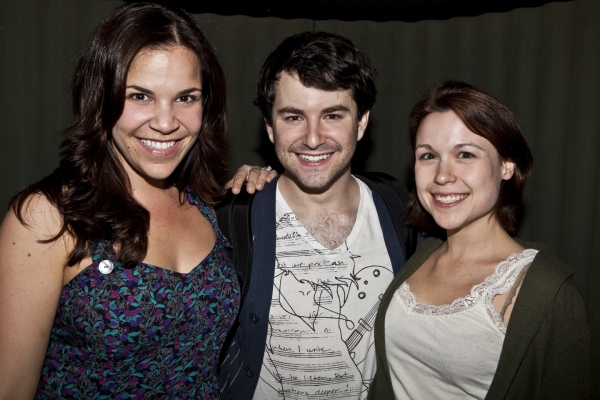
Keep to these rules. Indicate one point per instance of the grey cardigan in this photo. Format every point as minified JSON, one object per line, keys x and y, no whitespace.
{"x":547,"y":349}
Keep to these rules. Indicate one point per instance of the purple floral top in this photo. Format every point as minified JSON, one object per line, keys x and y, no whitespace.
{"x":145,"y":332}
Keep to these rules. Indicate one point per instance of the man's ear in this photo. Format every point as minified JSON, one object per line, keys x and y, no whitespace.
{"x":362,"y":124}
{"x":269,"y":128}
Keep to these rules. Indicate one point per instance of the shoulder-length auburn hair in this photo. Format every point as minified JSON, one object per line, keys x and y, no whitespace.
{"x":90,"y":188}
{"x":486,"y":117}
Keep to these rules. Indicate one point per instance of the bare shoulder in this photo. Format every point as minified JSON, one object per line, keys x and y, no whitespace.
{"x":23,"y":240}
{"x":514,"y":247}
{"x":37,"y":215}
{"x":32,"y":279}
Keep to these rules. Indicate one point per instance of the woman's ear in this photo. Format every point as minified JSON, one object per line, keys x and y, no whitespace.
{"x":508,"y":169}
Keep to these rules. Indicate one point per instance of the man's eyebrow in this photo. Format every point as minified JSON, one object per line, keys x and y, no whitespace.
{"x":290,"y":110}
{"x":333,"y":109}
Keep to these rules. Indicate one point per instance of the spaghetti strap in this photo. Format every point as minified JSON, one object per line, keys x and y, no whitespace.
{"x":513,"y":290}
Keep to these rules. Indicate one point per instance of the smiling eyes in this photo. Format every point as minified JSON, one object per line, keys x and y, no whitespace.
{"x":141,"y":97}
{"x":427,"y":156}
{"x":138,"y":96}
{"x":328,"y":117}
{"x":188,"y":98}
{"x":431,"y":156}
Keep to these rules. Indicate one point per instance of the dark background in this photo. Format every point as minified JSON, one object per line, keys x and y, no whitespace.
{"x":541,"y":60}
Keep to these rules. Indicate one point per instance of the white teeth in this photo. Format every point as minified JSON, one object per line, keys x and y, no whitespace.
{"x":158,"y":145}
{"x":313,"y":158}
{"x":450,"y":198}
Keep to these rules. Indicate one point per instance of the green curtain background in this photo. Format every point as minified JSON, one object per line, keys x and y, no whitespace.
{"x":543,"y":63}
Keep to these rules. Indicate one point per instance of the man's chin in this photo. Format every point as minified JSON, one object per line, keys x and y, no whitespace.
{"x":312,"y":184}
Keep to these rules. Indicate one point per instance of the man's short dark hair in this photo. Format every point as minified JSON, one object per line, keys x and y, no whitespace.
{"x":320,"y":60}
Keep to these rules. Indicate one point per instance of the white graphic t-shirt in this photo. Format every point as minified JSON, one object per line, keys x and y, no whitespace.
{"x":320,"y":335}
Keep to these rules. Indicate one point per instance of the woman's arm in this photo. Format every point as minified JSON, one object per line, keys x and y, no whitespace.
{"x":567,"y":358}
{"x":31,"y":278}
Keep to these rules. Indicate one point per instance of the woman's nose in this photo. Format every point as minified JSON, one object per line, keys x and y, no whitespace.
{"x":444,"y":173}
{"x":164,"y":119}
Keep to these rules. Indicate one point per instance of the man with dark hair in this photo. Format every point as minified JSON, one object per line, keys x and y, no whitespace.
{"x":326,"y":243}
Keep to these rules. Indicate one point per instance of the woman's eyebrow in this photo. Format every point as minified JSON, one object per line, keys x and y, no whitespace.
{"x":188,"y":91}
{"x":423,"y":145}
{"x":461,"y":145}
{"x":140,"y":89}
{"x":148,"y":91}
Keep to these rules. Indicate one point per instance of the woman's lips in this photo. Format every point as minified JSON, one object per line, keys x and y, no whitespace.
{"x":158,"y":145}
{"x":449,"y":199}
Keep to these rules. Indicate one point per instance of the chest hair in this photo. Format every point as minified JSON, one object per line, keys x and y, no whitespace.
{"x":330,"y":227}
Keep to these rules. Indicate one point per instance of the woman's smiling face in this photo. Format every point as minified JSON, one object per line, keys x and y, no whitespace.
{"x":162,"y":116}
{"x":457,"y":172}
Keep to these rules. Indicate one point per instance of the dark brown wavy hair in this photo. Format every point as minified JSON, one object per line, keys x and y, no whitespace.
{"x":486,"y":117}
{"x":321,"y":60}
{"x":90,"y":188}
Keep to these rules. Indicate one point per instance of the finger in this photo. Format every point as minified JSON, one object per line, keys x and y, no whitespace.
{"x":272,"y":174}
{"x":253,"y":179}
{"x":263,"y":178}
{"x":239,"y":178}
{"x":238,"y":181}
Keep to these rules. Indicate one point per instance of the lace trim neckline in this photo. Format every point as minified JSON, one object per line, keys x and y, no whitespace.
{"x":500,"y":281}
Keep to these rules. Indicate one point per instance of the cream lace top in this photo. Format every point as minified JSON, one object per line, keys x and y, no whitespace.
{"x":449,"y":351}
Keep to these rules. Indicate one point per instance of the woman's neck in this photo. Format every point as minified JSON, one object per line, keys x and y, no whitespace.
{"x":488,"y":240}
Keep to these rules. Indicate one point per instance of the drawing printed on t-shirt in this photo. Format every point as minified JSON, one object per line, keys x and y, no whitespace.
{"x":324,"y":303}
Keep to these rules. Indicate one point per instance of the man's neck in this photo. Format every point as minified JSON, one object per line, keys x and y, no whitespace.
{"x":328,"y":215}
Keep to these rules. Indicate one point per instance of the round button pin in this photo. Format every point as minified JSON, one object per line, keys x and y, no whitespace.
{"x":106,"y":267}
{"x":254,"y":318}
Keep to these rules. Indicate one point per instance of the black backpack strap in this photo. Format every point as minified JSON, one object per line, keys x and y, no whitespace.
{"x":233,"y":216}
{"x":395,"y":196}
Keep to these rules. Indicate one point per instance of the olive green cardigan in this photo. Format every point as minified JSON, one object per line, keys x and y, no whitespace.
{"x":547,"y":349}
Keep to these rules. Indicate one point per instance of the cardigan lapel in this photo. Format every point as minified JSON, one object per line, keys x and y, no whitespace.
{"x":537,"y":291}
{"x":263,"y":222}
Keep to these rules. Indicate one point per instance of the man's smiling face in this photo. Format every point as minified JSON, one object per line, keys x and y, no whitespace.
{"x":315,"y":132}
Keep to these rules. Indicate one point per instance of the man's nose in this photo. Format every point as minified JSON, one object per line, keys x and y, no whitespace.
{"x":314,"y":135}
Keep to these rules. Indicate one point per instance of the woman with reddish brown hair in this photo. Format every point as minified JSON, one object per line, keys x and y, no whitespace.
{"x":476,"y":313}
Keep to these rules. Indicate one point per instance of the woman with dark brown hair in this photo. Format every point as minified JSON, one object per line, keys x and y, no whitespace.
{"x":476,"y":313}
{"x":114,"y":277}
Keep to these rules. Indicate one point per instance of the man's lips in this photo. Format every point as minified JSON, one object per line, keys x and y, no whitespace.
{"x":309,"y":158}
